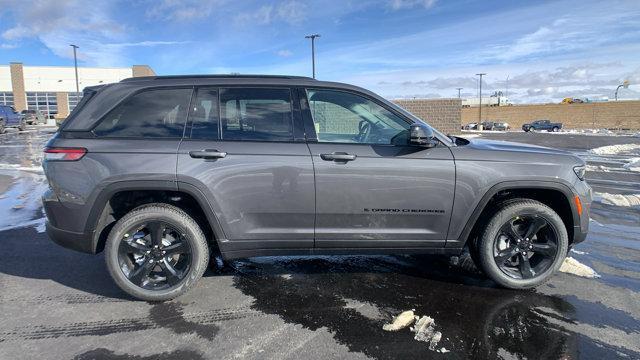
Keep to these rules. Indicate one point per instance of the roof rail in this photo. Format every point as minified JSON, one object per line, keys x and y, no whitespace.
{"x":216,"y":76}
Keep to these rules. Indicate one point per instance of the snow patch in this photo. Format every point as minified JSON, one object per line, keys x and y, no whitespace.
{"x":401,"y":321}
{"x":366,"y":309}
{"x":633,"y":164}
{"x":425,"y":330}
{"x":615,"y":149}
{"x":624,"y":200}
{"x":579,"y":252}
{"x":575,"y":267}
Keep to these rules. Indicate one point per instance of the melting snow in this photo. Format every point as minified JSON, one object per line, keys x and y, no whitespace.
{"x":633,"y":164}
{"x":425,"y":330}
{"x":573,"y":266}
{"x":401,"y":321}
{"x":615,"y":149}
{"x":626,"y":200}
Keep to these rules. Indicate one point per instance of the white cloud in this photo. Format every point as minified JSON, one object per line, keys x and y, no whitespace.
{"x":284,"y":53}
{"x":290,"y":12}
{"x":408,"y":4}
{"x":183,"y":10}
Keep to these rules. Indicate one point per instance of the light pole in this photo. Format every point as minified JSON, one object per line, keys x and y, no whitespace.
{"x":458,"y":92}
{"x":75,"y":64}
{"x":313,"y":52}
{"x":480,"y":103}
{"x":506,"y":92}
{"x":625,"y":84}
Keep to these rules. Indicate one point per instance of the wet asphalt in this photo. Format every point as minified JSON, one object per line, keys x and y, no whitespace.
{"x":59,"y":304}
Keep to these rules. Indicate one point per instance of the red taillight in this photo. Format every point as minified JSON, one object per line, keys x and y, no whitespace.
{"x":64,"y":154}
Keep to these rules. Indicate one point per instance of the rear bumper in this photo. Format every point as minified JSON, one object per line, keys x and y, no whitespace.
{"x":71,"y":240}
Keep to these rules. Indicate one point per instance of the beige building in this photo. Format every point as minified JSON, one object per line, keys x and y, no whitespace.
{"x":52,"y":89}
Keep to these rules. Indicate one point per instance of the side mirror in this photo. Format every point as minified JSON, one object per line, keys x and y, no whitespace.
{"x":421,"y":135}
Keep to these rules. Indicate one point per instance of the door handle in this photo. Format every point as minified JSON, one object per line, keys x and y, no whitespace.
{"x":338,"y":157}
{"x":207,"y":154}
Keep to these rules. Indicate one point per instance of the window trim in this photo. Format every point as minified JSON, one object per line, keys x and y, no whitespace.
{"x":134,"y":93}
{"x":310,"y":124}
{"x":249,"y":86}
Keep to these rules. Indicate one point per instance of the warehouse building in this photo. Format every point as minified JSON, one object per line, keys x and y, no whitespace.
{"x":52,"y":89}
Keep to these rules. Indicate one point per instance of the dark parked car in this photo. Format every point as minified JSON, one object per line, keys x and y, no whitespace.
{"x":161,"y":172}
{"x":501,"y":126}
{"x":10,"y":118}
{"x":542,"y":125}
{"x":34,"y":117}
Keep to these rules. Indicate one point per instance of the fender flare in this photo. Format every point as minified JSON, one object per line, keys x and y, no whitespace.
{"x":103,"y":195}
{"x":513,"y":185}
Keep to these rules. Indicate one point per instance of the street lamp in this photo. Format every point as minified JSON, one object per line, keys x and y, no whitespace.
{"x":480,"y":103}
{"x":75,"y":62}
{"x":458,"y":92}
{"x":313,"y":52}
{"x":625,"y":84}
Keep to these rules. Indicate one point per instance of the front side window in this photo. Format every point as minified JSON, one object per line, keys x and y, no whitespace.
{"x":159,"y":113}
{"x":344,"y":117}
{"x":257,"y":114}
{"x":203,"y":114}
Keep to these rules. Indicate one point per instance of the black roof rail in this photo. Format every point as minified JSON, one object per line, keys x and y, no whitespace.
{"x":216,"y":76}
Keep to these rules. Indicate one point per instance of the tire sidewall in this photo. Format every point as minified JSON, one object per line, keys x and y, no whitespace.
{"x":177,"y":218}
{"x":486,"y":243}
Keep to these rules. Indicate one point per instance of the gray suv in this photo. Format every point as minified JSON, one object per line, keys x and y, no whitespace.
{"x":160,"y":172}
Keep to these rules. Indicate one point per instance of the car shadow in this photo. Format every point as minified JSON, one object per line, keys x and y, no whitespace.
{"x":34,"y":256}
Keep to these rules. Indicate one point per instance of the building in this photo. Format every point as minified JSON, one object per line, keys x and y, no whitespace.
{"x":52,"y":89}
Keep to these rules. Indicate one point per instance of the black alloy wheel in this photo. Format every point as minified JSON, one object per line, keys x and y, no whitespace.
{"x":154,"y":255}
{"x":525,"y":246}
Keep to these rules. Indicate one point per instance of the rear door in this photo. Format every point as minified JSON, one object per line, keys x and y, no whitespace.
{"x":373,"y":190}
{"x":244,"y":150}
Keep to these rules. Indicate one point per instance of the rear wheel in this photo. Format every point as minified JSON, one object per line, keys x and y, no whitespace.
{"x":523,"y":245}
{"x":156,"y":252}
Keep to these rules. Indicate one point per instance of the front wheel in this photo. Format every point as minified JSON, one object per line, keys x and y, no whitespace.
{"x":523,"y":245}
{"x":555,"y":129}
{"x":22,"y":126}
{"x":156,"y":252}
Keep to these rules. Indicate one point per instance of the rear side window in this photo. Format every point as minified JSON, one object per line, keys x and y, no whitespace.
{"x":159,"y":113}
{"x":257,"y":114}
{"x":203,"y":114}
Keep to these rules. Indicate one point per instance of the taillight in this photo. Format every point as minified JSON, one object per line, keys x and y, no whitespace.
{"x":64,"y":154}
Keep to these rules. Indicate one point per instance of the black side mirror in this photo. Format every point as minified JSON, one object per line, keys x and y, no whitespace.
{"x":422,"y":135}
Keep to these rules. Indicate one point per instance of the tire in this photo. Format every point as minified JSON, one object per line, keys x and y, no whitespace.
{"x":517,"y":212}
{"x":22,"y":126}
{"x":192,"y":235}
{"x":555,"y":129}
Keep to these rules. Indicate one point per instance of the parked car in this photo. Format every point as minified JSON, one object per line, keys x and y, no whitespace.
{"x":470,"y":126}
{"x":176,"y":167}
{"x":542,"y":125}
{"x":501,"y":126}
{"x":10,"y":118}
{"x":34,"y":117}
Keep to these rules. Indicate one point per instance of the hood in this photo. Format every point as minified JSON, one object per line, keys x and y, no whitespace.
{"x":483,"y":144}
{"x":492,"y":150}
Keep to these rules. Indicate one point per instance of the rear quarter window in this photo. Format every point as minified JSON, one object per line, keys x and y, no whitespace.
{"x":157,"y":113}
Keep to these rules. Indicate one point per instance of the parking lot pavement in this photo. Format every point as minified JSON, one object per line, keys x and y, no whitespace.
{"x":59,"y":304}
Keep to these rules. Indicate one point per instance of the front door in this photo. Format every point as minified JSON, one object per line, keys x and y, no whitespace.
{"x":243,"y":155}
{"x":373,"y":190}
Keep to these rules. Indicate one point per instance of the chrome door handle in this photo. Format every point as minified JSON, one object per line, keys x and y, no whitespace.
{"x":207,"y":154}
{"x":338,"y":157}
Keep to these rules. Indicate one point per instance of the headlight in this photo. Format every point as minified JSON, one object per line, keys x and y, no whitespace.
{"x":580,"y":171}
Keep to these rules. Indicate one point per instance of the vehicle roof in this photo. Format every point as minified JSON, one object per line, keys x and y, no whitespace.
{"x":234,"y":79}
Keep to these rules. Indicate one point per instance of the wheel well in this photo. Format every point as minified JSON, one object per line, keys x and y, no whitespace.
{"x":554,"y":199}
{"x":124,"y":201}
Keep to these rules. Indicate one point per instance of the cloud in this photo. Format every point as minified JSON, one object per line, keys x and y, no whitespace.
{"x":102,"y":40}
{"x":290,"y":12}
{"x":284,"y":53}
{"x":409,"y":4}
{"x":183,"y":10}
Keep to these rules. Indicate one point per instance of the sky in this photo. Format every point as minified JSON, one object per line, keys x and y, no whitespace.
{"x":547,"y":50}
